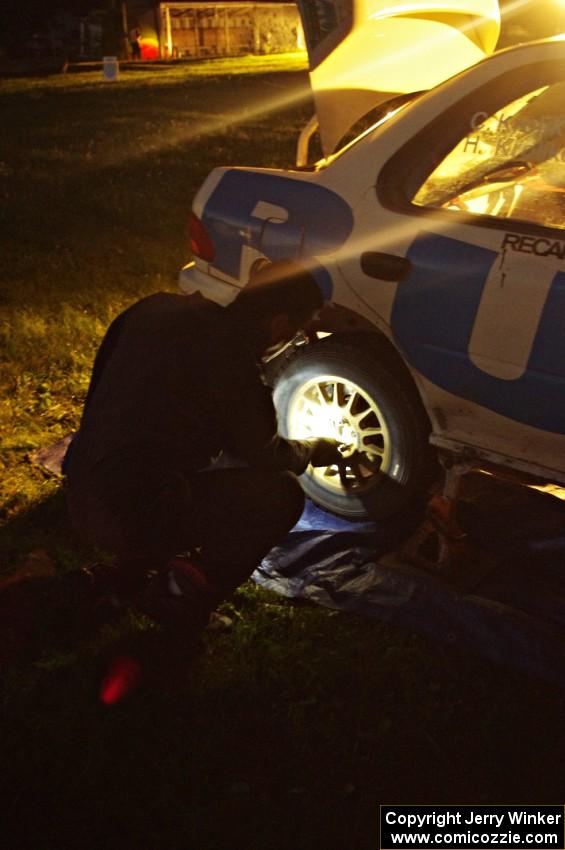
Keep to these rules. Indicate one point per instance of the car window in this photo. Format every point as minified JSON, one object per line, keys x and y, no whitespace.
{"x":374,"y":118}
{"x":377,"y":115}
{"x":511,"y":164}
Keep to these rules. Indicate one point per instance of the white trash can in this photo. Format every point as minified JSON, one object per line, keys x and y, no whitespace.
{"x":110,"y":67}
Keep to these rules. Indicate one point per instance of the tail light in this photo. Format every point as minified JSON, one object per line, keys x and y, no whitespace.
{"x":200,"y":243}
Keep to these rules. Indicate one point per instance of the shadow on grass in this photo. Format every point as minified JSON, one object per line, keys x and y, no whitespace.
{"x":44,"y":526}
{"x":41,"y":608}
{"x":287,"y":733}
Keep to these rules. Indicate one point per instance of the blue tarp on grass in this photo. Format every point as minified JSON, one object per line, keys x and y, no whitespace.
{"x":514,"y":614}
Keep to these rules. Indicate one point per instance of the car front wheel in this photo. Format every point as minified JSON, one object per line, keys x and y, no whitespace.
{"x":338,"y":390}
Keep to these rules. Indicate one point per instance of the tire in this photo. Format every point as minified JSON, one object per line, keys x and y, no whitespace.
{"x":342,"y":390}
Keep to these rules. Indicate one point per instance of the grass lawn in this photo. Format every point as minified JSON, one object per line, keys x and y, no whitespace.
{"x":292,"y":728}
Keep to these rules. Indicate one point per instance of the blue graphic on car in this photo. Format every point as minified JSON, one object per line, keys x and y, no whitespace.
{"x":230,"y":219}
{"x":432,"y":321}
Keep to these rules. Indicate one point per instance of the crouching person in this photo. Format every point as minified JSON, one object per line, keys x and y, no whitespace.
{"x":177,"y":385}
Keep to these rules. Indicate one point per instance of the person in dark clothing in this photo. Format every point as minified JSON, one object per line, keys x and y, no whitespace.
{"x":178,"y":449}
{"x":135,"y":43}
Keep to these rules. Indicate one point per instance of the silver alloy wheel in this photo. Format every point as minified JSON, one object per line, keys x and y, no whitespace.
{"x":329,"y":406}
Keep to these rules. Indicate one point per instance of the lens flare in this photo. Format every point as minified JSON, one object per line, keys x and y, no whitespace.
{"x":200,"y":127}
{"x":121,"y":679}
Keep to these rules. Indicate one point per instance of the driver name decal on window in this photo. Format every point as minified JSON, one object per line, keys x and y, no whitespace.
{"x":508,"y":135}
{"x":511,"y":164}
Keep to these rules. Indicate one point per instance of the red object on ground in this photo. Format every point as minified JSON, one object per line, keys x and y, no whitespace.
{"x":120,"y":680}
{"x":149,"y":48}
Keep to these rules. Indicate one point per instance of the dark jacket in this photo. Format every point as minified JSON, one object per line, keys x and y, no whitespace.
{"x":175,"y":382}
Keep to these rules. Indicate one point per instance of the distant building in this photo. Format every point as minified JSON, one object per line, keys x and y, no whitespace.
{"x":201,"y":29}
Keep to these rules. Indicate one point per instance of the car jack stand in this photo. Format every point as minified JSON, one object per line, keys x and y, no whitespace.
{"x":439,"y":544}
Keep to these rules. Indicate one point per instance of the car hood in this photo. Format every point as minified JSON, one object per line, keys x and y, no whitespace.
{"x":363,"y":52}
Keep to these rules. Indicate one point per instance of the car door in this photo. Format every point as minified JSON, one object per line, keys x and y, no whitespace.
{"x":479,"y":310}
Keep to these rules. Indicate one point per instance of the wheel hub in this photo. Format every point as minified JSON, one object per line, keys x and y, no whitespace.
{"x":345,"y":432}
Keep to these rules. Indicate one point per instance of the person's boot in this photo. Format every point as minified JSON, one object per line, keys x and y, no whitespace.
{"x":179,"y":599}
{"x":160,"y":658}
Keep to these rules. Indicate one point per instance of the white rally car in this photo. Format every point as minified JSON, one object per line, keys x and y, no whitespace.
{"x":438,"y":237}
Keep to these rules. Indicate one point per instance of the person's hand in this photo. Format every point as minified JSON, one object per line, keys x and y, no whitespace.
{"x":326,"y":452}
{"x":355,"y":468}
